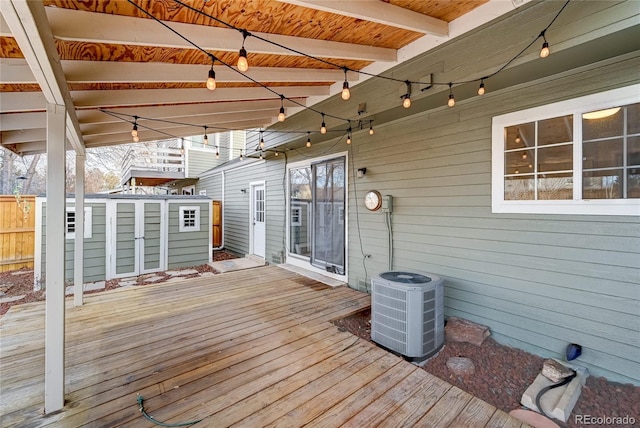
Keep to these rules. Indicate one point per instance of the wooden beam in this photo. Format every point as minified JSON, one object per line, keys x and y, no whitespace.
{"x":24,"y":136}
{"x":167,"y":96}
{"x":380,"y":12}
{"x":15,"y":121}
{"x":55,"y":270}
{"x":105,"y":71}
{"x":29,"y":25}
{"x":198,"y":122}
{"x":78,"y":259}
{"x":85,"y":26}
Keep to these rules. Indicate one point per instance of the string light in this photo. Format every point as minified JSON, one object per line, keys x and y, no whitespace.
{"x":349,"y":136}
{"x":544,"y":52}
{"x":481,"y":88}
{"x":345,"y":91}
{"x":182,"y":146}
{"x":206,"y":139}
{"x":323,"y":127}
{"x":281,"y":116}
{"x":241,"y":155}
{"x":452,"y":100}
{"x":276,"y":154}
{"x":308,"y":139}
{"x":211,"y":80}
{"x":346,"y":94}
{"x":370,"y":128}
{"x":217,"y":152}
{"x":261,"y":141}
{"x":134,"y":131}
{"x":261,"y":155}
{"x":243,"y":64}
{"x":406,"y":98}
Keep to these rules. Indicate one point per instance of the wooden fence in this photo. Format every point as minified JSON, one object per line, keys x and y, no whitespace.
{"x":17,"y":232}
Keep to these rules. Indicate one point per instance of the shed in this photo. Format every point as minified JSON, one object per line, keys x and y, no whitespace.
{"x":130,"y":235}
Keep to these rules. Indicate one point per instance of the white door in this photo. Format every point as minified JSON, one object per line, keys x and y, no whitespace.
{"x":258,"y":220}
{"x":137,"y":244}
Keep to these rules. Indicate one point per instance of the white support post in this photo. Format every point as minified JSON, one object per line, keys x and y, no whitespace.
{"x":55,"y":241}
{"x":78,"y":265}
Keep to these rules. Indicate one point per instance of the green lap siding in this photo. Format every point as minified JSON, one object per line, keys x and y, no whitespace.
{"x":188,"y":248}
{"x":94,"y":247}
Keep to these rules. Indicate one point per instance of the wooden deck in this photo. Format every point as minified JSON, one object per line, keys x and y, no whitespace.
{"x":249,"y":348}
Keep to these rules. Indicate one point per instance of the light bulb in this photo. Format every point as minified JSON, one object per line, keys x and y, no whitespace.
{"x":346,"y":94}
{"x":261,"y":143}
{"x":134,"y":131}
{"x":481,"y":88}
{"x":211,"y":80}
{"x":261,"y":155}
{"x":243,"y":64}
{"x":452,"y":101}
{"x":524,"y":156}
{"x":518,"y":140}
{"x":217,"y":154}
{"x":276,"y":154}
{"x":281,"y":115}
{"x":370,"y":129}
{"x":349,"y":139}
{"x":406,"y":103}
{"x":530,"y":166}
{"x":241,"y":156}
{"x":544,"y":52}
{"x":517,"y":171}
{"x":206,"y":140}
{"x":136,"y":139}
{"x":323,"y":128}
{"x":308,"y":143}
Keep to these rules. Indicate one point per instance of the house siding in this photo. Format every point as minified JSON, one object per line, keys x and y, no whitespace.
{"x":539,"y":282}
{"x":188,"y":248}
{"x":200,"y":160}
{"x":94,"y":247}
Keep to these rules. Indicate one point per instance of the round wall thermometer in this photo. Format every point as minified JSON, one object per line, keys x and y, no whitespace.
{"x":373,"y":200}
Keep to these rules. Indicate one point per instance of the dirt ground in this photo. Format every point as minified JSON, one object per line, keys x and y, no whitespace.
{"x":502,"y":374}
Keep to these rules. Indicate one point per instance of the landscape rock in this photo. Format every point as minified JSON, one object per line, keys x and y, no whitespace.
{"x":461,"y":366}
{"x":555,"y":371}
{"x":461,"y":330}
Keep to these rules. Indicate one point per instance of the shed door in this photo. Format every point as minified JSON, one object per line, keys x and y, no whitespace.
{"x":138,"y":238}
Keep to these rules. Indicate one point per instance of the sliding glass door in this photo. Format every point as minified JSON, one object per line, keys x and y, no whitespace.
{"x":317,"y":214}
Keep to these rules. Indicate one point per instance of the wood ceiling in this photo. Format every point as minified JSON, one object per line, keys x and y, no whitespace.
{"x":110,"y":55}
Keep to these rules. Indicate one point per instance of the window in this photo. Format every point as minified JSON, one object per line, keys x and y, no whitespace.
{"x":189,"y":190}
{"x":296,"y":216}
{"x":189,"y":219}
{"x":580,"y":156}
{"x":70,"y":223}
{"x":202,"y":192}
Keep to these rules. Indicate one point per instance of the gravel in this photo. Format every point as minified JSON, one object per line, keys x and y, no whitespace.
{"x":502,"y":374}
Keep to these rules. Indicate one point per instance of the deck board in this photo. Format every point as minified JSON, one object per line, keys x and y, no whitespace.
{"x":248,"y":348}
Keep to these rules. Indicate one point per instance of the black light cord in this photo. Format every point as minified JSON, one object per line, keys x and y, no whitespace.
{"x":157,"y":422}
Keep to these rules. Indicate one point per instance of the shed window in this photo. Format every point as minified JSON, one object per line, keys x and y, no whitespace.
{"x":580,"y":156}
{"x":70,"y":223}
{"x":296,"y":216}
{"x":189,"y":219}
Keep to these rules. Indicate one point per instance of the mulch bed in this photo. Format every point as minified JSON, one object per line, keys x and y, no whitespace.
{"x":502,"y":374}
{"x":20,"y":282}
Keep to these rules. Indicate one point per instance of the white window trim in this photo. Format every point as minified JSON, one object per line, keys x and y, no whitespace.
{"x":88,"y":223}
{"x":181,"y":226}
{"x":576,"y":106}
{"x":298,"y":215}
{"x":202,"y":192}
